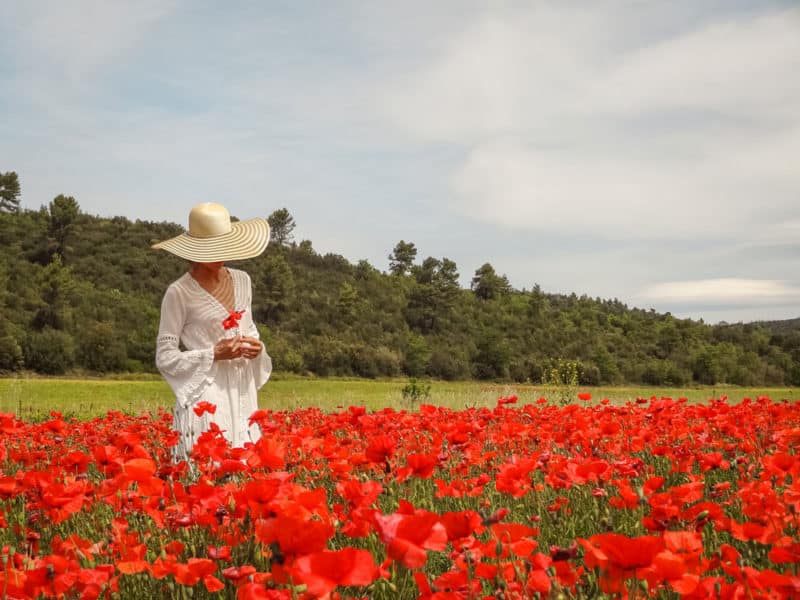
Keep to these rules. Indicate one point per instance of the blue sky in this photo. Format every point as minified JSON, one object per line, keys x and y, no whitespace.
{"x":646,"y":151}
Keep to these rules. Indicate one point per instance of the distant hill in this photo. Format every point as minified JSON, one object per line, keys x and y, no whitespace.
{"x":82,"y":293}
{"x":784,"y":326}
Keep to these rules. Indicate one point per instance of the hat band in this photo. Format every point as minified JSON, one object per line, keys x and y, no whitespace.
{"x":207,"y":236}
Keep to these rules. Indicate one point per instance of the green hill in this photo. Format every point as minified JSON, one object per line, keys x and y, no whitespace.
{"x":79,"y":292}
{"x":783,"y":327}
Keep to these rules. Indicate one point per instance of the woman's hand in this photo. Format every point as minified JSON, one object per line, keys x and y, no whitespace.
{"x":251,"y":347}
{"x":228,"y":348}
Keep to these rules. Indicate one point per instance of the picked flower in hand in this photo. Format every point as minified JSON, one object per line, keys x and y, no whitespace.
{"x":232,"y":321}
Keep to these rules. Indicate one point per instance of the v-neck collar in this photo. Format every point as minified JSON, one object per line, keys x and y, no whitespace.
{"x":211,"y":297}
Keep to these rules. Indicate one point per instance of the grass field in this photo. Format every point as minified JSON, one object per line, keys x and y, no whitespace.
{"x":86,"y":398}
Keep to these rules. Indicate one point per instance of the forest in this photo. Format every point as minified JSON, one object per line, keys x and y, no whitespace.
{"x":81,"y":294}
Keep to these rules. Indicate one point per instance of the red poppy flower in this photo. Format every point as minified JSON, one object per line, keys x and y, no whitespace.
{"x":139,"y":469}
{"x":221,"y":553}
{"x":407,"y":537}
{"x":421,"y":465}
{"x":322,"y":572}
{"x":381,"y":448}
{"x":232,"y":320}
{"x":621,"y":551}
{"x":295,"y":535}
{"x":238,"y":574}
{"x":461,"y":524}
{"x":204,"y":407}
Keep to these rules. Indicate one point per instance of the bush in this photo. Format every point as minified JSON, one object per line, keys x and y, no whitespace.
{"x":518,"y":371}
{"x":363,"y":361}
{"x":652,"y":373}
{"x":11,"y":357}
{"x":327,"y":356}
{"x":417,"y":353}
{"x":389,"y":362}
{"x":675,"y":375}
{"x":588,"y":374}
{"x":49,"y":351}
{"x":285,"y":355}
{"x":447,"y":365}
{"x":414,"y":391}
{"x":288,"y":360}
{"x":136,"y":366}
{"x":492,"y":357}
{"x":794,"y":375}
{"x":101,"y":348}
{"x":562,"y":379}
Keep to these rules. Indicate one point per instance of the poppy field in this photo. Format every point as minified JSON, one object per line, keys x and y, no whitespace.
{"x":657,"y":498}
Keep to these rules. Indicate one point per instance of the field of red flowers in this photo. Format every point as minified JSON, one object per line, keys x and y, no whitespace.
{"x":658,"y":498}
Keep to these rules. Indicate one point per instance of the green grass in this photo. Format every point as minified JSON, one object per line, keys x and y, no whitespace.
{"x":33,"y":397}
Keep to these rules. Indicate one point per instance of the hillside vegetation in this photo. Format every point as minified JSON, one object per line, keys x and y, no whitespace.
{"x":82,"y":293}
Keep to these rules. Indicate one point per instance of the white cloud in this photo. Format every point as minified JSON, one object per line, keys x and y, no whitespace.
{"x":566,"y":128}
{"x":741,"y":292}
{"x":739,"y":68}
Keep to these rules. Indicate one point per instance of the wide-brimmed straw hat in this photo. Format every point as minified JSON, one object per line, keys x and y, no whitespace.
{"x":213,"y":238}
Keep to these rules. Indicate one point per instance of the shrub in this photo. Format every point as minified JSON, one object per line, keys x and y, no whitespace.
{"x":11,"y":357}
{"x":414,"y":391}
{"x":101,"y":349}
{"x":448,"y":365}
{"x":49,"y":351}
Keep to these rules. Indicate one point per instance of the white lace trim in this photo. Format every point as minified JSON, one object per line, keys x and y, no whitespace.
{"x":167,"y":339}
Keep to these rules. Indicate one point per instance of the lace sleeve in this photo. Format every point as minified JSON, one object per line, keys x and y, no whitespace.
{"x":187,"y":372}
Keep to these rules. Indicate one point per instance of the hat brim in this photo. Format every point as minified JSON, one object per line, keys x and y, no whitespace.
{"x":246,"y":239}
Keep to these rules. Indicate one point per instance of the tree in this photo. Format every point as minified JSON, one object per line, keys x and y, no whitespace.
{"x":537,"y":303}
{"x":493,"y":355}
{"x":416,"y":354}
{"x":281,"y":226}
{"x":9,"y":192}
{"x":274,"y":289}
{"x":347,"y":303}
{"x":488,"y":285}
{"x":63,"y":212}
{"x":402,"y":258}
{"x":56,"y":294}
{"x":432,"y":299}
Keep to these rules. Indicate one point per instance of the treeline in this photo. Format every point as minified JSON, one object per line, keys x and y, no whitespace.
{"x":79,"y":292}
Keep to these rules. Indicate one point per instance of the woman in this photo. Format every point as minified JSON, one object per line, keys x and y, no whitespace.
{"x":208,"y":310}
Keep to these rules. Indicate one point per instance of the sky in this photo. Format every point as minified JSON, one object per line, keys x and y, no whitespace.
{"x":644,"y":151}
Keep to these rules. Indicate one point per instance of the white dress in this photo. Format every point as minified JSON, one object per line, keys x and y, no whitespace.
{"x":193,"y":317}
